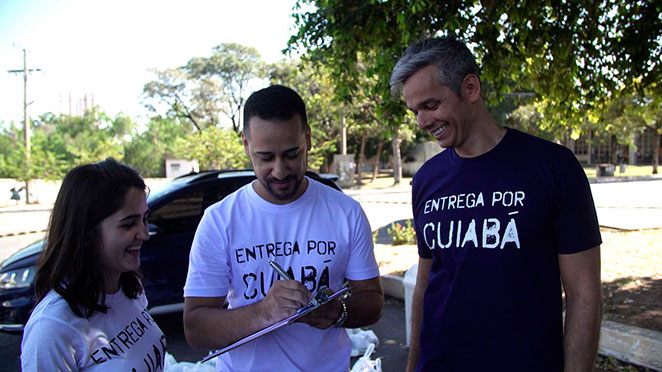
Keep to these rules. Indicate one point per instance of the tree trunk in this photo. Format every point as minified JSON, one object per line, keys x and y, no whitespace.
{"x":375,"y":168}
{"x":397,"y":160}
{"x":359,"y":164}
{"x":235,"y":125}
{"x":613,"y":150}
{"x":656,"y":152}
{"x":590,"y":147}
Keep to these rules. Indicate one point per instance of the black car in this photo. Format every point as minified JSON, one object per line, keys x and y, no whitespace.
{"x":176,"y":211}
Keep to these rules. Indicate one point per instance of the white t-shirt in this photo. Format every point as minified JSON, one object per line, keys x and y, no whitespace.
{"x":321,"y":238}
{"x":126,"y":338}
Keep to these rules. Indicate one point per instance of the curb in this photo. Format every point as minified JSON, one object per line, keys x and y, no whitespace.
{"x":631,"y":344}
{"x":22,"y":233}
{"x":624,"y":342}
{"x":624,"y":179}
{"x":25,"y":210}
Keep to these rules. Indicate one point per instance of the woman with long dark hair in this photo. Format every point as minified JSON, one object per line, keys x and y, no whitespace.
{"x":91,"y":308}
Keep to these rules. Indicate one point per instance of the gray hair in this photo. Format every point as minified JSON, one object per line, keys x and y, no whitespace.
{"x":453,"y":59}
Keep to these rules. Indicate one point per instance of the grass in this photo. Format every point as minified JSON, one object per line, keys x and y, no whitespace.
{"x":385,"y":180}
{"x":630,"y":171}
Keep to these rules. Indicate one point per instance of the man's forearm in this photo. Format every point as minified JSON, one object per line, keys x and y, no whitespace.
{"x":213,"y":328}
{"x":582,"y":333}
{"x":364,"y":309}
{"x":580,"y":273}
{"x":414,"y":343}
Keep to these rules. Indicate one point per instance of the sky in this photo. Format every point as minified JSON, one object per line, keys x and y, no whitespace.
{"x":105,"y":49}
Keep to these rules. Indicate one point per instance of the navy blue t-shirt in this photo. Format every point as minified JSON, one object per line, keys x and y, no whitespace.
{"x":494,"y":226}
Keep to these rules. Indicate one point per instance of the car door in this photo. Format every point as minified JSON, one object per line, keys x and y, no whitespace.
{"x":164,"y":257}
{"x":173,"y":224}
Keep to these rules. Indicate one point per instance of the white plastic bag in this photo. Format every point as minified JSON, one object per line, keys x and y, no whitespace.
{"x":365,"y":364}
{"x":171,"y":365}
{"x":361,"y":339}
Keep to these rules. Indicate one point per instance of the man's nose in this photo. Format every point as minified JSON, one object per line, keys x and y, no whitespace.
{"x":423,"y":119}
{"x":279,"y":170}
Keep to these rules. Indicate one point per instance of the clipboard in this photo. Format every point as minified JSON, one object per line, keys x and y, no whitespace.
{"x":312,"y":305}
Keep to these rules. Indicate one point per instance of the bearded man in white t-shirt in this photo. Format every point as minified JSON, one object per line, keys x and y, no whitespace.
{"x":320,"y":236}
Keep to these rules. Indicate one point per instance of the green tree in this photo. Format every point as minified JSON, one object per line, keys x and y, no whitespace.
{"x":629,"y":114}
{"x":12,"y":152}
{"x":224,"y":78}
{"x":65,"y":141}
{"x":206,"y":87}
{"x":355,"y":41}
{"x":214,"y":148}
{"x":322,"y":110}
{"x":562,"y":51}
{"x":172,"y":94}
{"x":147,"y":150}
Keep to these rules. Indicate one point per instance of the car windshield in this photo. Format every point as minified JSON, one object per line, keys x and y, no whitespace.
{"x":167,"y":188}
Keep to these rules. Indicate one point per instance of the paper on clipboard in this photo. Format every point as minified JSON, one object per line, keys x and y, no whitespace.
{"x":301,"y":312}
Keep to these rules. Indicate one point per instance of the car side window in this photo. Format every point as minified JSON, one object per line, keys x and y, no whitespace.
{"x":179,"y":215}
{"x":220,"y":190}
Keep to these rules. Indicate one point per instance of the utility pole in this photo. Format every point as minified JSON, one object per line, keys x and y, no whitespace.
{"x":26,"y":119}
{"x":343,"y":143}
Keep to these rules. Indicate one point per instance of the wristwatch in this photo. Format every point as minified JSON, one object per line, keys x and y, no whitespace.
{"x":343,"y":315}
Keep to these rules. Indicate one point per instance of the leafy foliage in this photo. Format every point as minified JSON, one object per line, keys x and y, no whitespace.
{"x":207,"y":87}
{"x":402,"y":234}
{"x":573,"y":55}
{"x":59,"y":143}
{"x":224,"y":78}
{"x":147,"y":150}
{"x":323,"y":111}
{"x":172,"y":92}
{"x":214,"y":148}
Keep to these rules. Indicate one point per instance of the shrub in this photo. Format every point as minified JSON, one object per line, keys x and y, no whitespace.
{"x":402,"y":234}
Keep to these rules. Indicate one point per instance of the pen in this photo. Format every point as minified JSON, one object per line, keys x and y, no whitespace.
{"x":279,"y":270}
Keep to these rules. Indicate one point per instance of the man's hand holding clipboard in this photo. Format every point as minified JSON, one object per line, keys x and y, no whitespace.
{"x":305,"y":314}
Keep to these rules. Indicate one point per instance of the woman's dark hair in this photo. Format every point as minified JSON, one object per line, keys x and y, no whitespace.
{"x":69,"y":263}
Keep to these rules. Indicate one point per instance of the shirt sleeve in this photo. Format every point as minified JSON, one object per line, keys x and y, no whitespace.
{"x":208,"y":270}
{"x":423,"y":250}
{"x":362,"y":264}
{"x":576,"y":224}
{"x":50,"y":345}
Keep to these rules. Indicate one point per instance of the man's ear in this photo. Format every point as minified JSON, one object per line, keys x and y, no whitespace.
{"x":245,"y":141}
{"x":471,"y":89}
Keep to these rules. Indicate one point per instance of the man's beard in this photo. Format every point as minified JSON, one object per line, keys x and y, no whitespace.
{"x":288,"y":194}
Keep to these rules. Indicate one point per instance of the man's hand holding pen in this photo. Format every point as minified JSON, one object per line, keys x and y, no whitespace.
{"x":284,"y":298}
{"x":287,"y":299}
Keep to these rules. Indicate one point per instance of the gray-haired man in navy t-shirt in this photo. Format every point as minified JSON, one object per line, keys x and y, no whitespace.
{"x":502,"y":219}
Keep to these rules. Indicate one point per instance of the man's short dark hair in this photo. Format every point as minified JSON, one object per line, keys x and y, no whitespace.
{"x":275,"y":102}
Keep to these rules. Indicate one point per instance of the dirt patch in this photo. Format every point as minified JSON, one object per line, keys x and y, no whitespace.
{"x":631,"y":274}
{"x":632,"y":277}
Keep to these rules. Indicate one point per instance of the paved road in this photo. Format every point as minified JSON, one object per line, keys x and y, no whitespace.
{"x":621,"y":205}
{"x":390,"y":330}
{"x":629,"y":205}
